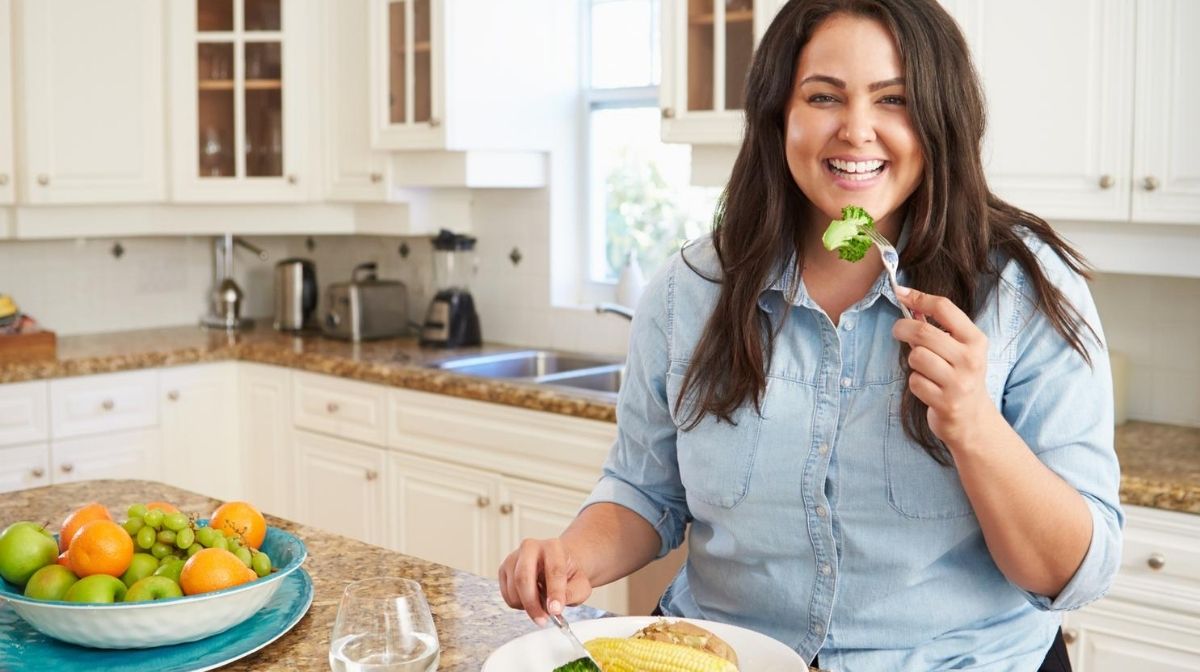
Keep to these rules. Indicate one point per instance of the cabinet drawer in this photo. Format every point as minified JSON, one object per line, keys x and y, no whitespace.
{"x":24,"y":467}
{"x":23,"y":413}
{"x":341,"y":408}
{"x":118,"y":455}
{"x":1162,"y":546}
{"x":96,"y":404}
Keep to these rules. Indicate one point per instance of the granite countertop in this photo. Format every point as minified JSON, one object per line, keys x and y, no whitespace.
{"x":400,"y":362}
{"x":1160,"y":464}
{"x":471,"y":618}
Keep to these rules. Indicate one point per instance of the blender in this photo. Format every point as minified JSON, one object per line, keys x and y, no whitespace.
{"x":451,"y":320}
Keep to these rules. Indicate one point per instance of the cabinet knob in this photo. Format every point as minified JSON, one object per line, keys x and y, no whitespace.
{"x":292,"y":179}
{"x":1156,"y":561}
{"x":3,"y":179}
{"x":668,"y":113}
{"x":506,"y":509}
{"x":483,"y":501}
{"x":1150,"y":183}
{"x":1107,"y":181}
{"x":43,"y":179}
{"x":38,"y":472}
{"x":1070,"y":635}
{"x":376,"y":178}
{"x":331,"y":407}
{"x":66,"y":468}
{"x":434,"y":122}
{"x":107,"y":404}
{"x":372,"y":475}
{"x":173,"y":395}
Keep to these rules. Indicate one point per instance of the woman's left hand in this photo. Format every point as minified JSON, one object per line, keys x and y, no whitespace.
{"x":949,"y":367}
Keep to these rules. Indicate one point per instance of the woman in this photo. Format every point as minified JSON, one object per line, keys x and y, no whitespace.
{"x":895,"y":494}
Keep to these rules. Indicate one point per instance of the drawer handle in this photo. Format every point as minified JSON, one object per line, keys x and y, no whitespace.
{"x":483,"y":502}
{"x":331,"y":407}
{"x":1150,"y":183}
{"x":38,"y":472}
{"x":505,"y":509}
{"x":1156,"y":561}
{"x":1107,"y":181}
{"x":1070,"y":635}
{"x":372,"y":474}
{"x":173,"y":395}
{"x":67,"y":468}
{"x":107,"y":404}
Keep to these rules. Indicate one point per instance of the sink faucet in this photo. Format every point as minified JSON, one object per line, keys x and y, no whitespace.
{"x":616,"y":309}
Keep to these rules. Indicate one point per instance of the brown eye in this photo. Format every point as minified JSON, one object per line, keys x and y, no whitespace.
{"x":893,"y":100}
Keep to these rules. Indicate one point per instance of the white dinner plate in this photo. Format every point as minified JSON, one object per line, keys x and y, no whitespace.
{"x":546,"y":649}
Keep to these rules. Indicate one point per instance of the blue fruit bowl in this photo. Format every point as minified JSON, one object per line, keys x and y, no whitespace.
{"x":137,"y":625}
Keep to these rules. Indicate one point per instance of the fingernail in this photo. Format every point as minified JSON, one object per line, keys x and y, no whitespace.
{"x":901,"y":290}
{"x":555,"y":607}
{"x":541,"y":621}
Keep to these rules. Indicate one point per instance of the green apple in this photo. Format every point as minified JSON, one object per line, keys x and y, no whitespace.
{"x":153,"y":588}
{"x":25,"y":547}
{"x":50,"y":582}
{"x":142,"y":565}
{"x":170,"y":570}
{"x":97,"y":589}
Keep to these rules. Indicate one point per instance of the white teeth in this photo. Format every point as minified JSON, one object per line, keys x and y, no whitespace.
{"x":856,"y":166}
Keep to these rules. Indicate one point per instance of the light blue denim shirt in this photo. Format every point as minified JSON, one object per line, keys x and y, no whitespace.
{"x":820,"y":523}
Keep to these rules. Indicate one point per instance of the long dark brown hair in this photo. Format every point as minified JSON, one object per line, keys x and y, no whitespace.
{"x":954,"y":220}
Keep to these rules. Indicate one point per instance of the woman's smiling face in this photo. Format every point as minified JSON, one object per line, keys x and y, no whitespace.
{"x":849,"y":137}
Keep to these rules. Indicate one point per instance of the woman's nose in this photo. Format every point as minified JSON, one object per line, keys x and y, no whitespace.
{"x":858,"y":126}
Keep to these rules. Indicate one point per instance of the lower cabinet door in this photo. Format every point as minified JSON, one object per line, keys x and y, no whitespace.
{"x":1113,"y":636}
{"x":25,"y":466}
{"x":443,"y":513}
{"x":537,"y":511}
{"x":135,"y":454}
{"x":339,"y":486}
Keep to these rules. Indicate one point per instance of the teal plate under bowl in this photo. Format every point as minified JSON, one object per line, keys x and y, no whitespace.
{"x":23,"y":648}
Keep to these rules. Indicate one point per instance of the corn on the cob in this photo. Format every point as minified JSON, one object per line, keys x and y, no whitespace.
{"x":619,"y":654}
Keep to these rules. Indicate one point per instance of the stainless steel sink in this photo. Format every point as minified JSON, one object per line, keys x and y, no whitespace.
{"x":548,"y":367}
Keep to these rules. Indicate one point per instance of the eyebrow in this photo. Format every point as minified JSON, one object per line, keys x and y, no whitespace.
{"x":842,"y":85}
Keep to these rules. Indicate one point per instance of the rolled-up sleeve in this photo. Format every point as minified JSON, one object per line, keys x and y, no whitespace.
{"x":1063,"y":409}
{"x":642,"y":473}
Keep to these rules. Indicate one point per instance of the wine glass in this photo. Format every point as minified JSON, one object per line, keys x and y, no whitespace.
{"x":384,"y":625}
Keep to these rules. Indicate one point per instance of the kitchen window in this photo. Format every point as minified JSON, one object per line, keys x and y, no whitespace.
{"x":638,"y":193}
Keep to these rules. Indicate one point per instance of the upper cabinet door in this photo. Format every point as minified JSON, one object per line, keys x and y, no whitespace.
{"x":707,"y":49}
{"x":6,"y":103}
{"x":354,"y":170}
{"x":91,"y":96}
{"x":405,"y":38}
{"x":238,"y":100}
{"x":1059,"y":84}
{"x":1166,"y":141}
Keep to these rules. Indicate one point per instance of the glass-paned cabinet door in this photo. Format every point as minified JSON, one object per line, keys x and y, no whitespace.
{"x":240,"y":88}
{"x":405,"y":59}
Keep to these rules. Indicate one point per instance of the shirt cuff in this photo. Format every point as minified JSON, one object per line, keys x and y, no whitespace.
{"x":614,"y":490}
{"x":1095,"y":573}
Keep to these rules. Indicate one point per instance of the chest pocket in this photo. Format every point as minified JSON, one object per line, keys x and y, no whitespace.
{"x":917,"y":486}
{"x":715,"y":458}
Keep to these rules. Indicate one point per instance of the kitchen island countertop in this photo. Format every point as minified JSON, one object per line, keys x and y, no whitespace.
{"x":471,"y":618}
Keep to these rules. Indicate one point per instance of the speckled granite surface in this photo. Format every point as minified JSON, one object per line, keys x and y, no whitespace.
{"x":400,"y":362}
{"x":1160,"y":466}
{"x":471,"y":619}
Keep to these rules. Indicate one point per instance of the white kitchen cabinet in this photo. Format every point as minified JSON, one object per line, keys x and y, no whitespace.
{"x":240,"y":74}
{"x":199,"y":429}
{"x":90,"y":87}
{"x":7,"y":190}
{"x":26,"y":466}
{"x":135,"y":454}
{"x":264,"y":415}
{"x":24,"y":413}
{"x":339,"y":407}
{"x":339,"y":486}
{"x":707,"y":47}
{"x":1120,"y":637}
{"x":103,"y":403}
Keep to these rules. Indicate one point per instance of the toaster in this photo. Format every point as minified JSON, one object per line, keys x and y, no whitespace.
{"x":365,"y":308}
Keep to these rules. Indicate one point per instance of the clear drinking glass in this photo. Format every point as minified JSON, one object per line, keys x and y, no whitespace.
{"x":384,"y":625}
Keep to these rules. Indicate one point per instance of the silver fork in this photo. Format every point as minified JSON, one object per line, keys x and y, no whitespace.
{"x":891,"y":261}
{"x":565,"y":628}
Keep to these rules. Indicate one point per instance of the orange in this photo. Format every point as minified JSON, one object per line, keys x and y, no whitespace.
{"x":100,"y":547}
{"x":76,"y":519}
{"x":213,"y":569}
{"x":240,"y":519}
{"x":63,"y":560}
{"x":162,"y":506}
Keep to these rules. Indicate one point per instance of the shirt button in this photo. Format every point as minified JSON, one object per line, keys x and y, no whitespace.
{"x":848,"y":325}
{"x":821,"y":512}
{"x":846,"y":382}
{"x":825,"y":569}
{"x":818,"y":628}
{"x":824,"y":448}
